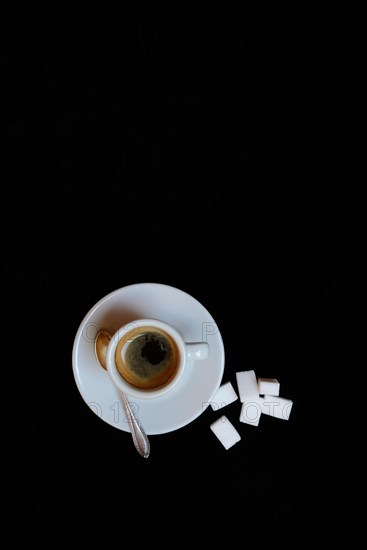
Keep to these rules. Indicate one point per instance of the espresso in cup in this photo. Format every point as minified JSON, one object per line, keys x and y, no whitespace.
{"x":147,"y":357}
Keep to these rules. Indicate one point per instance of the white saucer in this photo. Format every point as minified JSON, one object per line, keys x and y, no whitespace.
{"x":201,"y":379}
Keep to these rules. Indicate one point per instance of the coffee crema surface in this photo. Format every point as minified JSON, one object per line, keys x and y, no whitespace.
{"x":147,"y":358}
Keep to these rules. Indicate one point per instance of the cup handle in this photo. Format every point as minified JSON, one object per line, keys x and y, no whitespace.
{"x":197,"y":350}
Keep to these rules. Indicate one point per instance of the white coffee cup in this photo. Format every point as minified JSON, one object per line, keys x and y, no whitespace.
{"x":146,"y":358}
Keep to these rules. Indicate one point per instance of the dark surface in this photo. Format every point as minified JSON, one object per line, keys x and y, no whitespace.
{"x":212,"y":151}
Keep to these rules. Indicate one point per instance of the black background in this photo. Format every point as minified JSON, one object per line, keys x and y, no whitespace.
{"x":212,"y":149}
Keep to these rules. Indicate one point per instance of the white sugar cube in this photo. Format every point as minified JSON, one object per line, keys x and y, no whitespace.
{"x":224,"y":395}
{"x":268,"y":386}
{"x":225,"y":432}
{"x":247,"y":384}
{"x":279,"y":407}
{"x":251,"y":410}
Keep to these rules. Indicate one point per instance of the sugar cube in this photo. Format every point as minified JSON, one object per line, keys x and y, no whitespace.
{"x":224,"y":395}
{"x":247,"y":384}
{"x":225,"y":432}
{"x":251,"y":410}
{"x":268,"y":386}
{"x":279,"y":407}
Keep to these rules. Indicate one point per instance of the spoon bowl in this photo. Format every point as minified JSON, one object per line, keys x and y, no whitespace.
{"x":101,"y":344}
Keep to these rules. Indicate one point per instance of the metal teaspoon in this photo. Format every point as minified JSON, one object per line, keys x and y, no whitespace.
{"x":140,"y":438}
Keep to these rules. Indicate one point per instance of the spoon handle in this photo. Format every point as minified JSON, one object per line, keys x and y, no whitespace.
{"x":140,"y":438}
